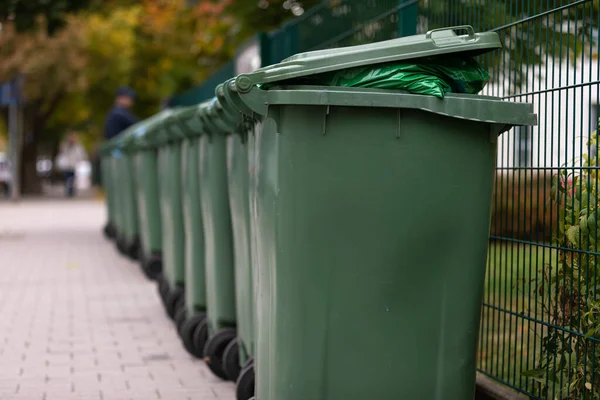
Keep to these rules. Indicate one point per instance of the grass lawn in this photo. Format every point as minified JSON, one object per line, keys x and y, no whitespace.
{"x":510,"y":340}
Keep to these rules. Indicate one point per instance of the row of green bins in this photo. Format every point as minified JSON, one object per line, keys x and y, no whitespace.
{"x":191,"y":317}
{"x":110,"y":230}
{"x":371,"y":210}
{"x":171,"y":283}
{"x":125,"y":183}
{"x":218,"y":239}
{"x":145,"y":163}
{"x":192,"y":168}
{"x":239,"y":356}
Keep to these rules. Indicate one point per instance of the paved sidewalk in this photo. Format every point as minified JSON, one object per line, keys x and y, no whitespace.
{"x":77,"y":321}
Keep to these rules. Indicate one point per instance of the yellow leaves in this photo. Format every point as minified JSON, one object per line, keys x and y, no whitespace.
{"x":50,"y":64}
{"x":112,"y":37}
{"x":160,"y":16}
{"x":166,"y":64}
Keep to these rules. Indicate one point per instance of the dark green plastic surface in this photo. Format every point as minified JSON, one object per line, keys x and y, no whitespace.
{"x":433,"y":43}
{"x":195,"y":294}
{"x":173,"y":235}
{"x":346,"y":225}
{"x":147,"y":189}
{"x":125,"y":192}
{"x":238,"y":176}
{"x":109,"y":190}
{"x":218,"y":237}
{"x":148,"y":195}
{"x":372,"y":217}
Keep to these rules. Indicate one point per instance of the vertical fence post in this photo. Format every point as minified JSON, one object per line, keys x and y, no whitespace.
{"x":407,"y":17}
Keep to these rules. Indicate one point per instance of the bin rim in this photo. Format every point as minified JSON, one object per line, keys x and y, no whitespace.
{"x":436,"y":42}
{"x":146,"y":136}
{"x":183,"y":118}
{"x":139,"y":133}
{"x":469,"y":107}
{"x":225,"y":101}
{"x":214,"y":119}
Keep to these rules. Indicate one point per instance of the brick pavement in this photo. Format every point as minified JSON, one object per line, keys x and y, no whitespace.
{"x":78,"y":321}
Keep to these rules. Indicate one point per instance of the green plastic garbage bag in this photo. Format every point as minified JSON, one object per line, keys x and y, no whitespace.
{"x":433,"y":76}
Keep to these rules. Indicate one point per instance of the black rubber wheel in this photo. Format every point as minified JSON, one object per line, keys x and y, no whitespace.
{"x":186,"y":333}
{"x":163,"y":289}
{"x":180,"y":304}
{"x":122,"y":246}
{"x":200,"y":336}
{"x":172,"y":301}
{"x":215,"y":348}
{"x":180,"y":316}
{"x":133,"y":250}
{"x":244,"y":387}
{"x":109,"y":231}
{"x":152,"y":267}
{"x":231,"y":361}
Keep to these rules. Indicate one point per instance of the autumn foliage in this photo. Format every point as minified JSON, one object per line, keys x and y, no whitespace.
{"x":158,"y":47}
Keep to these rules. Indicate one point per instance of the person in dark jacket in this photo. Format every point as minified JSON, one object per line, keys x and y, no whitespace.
{"x":120,"y":117}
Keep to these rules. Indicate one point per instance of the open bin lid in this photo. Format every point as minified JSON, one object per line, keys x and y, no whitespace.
{"x":436,"y":42}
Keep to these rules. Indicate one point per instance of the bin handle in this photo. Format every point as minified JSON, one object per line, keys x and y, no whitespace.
{"x":468,"y":28}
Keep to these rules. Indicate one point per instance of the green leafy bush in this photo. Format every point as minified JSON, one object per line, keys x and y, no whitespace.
{"x":569,"y":363}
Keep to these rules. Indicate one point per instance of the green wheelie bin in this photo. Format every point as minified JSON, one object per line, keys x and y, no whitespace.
{"x":372,"y":219}
{"x":128,"y":240}
{"x":109,"y":193}
{"x":218,"y":238}
{"x":191,"y":317}
{"x":238,"y":360}
{"x":171,"y":283}
{"x":145,"y":163}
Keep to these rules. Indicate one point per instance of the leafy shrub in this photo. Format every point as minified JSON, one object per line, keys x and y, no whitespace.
{"x":569,"y":363}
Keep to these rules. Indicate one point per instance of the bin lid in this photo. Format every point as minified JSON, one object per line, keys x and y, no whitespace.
{"x":156,"y":134}
{"x":436,"y":42}
{"x":124,"y":139}
{"x":173,"y":129}
{"x":188,"y":121}
{"x":134,"y":137}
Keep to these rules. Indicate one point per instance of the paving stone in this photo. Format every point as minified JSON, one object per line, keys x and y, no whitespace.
{"x":80,"y":322}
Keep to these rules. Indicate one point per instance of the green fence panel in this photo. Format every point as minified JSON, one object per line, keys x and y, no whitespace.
{"x":206,"y":90}
{"x":343,"y":23}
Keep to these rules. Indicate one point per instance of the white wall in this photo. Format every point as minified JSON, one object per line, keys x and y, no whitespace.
{"x":565,"y":116}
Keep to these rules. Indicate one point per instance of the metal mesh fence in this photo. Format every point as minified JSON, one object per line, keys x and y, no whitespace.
{"x":206,"y":90}
{"x":540,"y":317}
{"x":337,"y":23}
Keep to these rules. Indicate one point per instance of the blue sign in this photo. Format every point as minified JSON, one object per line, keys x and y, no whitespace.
{"x":10,"y":92}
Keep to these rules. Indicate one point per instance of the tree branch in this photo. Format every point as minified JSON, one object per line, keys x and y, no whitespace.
{"x":52,"y":106}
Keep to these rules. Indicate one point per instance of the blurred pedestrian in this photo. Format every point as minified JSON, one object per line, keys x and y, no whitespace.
{"x":71,"y":154}
{"x":120,"y":117}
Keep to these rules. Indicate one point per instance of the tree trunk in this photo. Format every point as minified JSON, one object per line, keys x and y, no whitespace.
{"x":35,"y":119}
{"x":30,"y":182}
